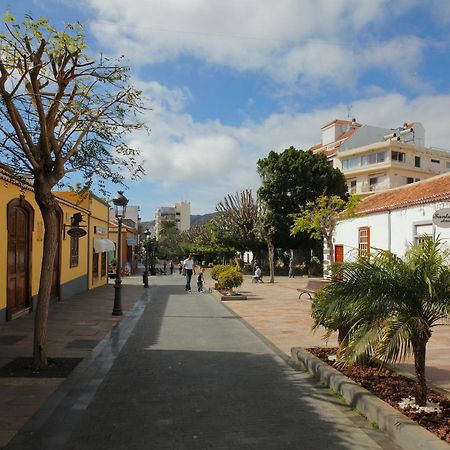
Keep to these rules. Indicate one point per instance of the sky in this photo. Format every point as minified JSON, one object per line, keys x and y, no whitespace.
{"x":229,"y":81}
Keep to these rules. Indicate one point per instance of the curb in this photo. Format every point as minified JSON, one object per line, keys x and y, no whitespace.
{"x":402,"y":430}
{"x":222,"y":298}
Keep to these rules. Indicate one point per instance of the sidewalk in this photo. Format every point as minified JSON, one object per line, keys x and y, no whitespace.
{"x":78,"y":324}
{"x":275,"y":311}
{"x":75,"y":327}
{"x":189,"y":376}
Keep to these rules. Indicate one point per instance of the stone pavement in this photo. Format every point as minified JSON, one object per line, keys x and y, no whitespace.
{"x":75,"y":327}
{"x":180,"y":371}
{"x":275,"y":311}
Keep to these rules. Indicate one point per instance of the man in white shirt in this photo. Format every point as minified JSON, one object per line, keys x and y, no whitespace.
{"x":188,"y":269}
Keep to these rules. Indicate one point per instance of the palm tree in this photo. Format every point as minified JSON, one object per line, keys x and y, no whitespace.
{"x":385,"y":308}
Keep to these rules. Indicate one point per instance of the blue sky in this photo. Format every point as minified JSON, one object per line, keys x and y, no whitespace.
{"x":228,"y":81}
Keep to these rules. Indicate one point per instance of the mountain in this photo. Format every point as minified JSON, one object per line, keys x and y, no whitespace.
{"x":201,"y":219}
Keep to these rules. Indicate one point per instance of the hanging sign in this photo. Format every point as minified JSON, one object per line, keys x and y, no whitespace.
{"x":441,"y":218}
{"x":76,"y":232}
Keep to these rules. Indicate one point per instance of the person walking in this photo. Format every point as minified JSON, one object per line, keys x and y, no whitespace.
{"x":180,"y":267}
{"x":171,"y":267}
{"x":200,"y":280}
{"x":291,"y":268}
{"x":188,"y":269}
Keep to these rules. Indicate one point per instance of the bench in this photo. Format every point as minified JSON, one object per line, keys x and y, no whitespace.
{"x":312,"y":286}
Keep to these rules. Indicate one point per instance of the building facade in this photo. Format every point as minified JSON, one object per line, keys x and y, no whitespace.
{"x":21,"y":247}
{"x":180,"y":214}
{"x":375,"y":159}
{"x":393,"y":220}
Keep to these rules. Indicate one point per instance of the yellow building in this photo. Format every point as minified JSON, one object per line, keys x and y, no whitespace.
{"x":78,"y":266}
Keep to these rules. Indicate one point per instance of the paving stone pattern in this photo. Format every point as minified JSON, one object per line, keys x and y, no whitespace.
{"x":193,"y":376}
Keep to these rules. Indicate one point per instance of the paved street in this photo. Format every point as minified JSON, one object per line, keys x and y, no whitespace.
{"x":181,"y":371}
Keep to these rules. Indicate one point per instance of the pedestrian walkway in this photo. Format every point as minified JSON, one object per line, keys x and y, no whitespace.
{"x":275,"y":311}
{"x":181,"y":371}
{"x":75,"y":327}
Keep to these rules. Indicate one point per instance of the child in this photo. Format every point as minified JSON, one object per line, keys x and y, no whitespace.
{"x":200,"y":279}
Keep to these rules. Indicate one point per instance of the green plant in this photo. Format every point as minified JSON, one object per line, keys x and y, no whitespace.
{"x":386,"y":308}
{"x":374,"y":425}
{"x":314,"y":266}
{"x":230,"y":278}
{"x":216,"y":270}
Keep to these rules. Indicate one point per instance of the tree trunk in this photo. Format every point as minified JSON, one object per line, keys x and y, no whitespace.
{"x":48,"y":207}
{"x":329,"y":239}
{"x":419,"y":349}
{"x":270,"y":254}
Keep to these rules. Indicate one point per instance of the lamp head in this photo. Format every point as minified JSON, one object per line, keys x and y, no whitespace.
{"x":120,"y":205}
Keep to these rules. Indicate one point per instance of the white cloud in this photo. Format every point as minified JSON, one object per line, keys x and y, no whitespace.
{"x":296,"y":41}
{"x":203,"y":162}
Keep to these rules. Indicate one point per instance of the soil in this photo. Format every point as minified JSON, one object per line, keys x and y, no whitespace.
{"x":22,"y":368}
{"x":391,"y":387}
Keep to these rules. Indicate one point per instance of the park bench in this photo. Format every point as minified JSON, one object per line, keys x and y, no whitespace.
{"x":312,"y":286}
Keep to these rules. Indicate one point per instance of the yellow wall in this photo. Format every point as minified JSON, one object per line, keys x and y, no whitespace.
{"x":97,"y":224}
{"x":10,"y":191}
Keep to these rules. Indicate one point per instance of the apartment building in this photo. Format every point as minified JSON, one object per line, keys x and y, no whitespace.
{"x":180,"y":214}
{"x":375,"y":159}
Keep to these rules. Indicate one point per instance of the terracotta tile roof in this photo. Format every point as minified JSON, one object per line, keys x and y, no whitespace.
{"x":427,"y":191}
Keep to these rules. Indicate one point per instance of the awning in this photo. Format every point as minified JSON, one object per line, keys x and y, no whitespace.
{"x":103,"y":245}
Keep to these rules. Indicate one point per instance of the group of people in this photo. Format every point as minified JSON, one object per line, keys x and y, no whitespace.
{"x":187,"y":268}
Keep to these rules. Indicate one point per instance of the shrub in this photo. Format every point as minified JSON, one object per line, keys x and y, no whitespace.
{"x":216,"y":270}
{"x":230,"y":278}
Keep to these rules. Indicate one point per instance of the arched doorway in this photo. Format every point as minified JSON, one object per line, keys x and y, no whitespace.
{"x":20,"y":226}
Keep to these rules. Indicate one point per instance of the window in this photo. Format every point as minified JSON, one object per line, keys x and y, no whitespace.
{"x":373,"y":158}
{"x":421,"y":231}
{"x":417,"y":161}
{"x":436,"y":161}
{"x":74,"y":251}
{"x":364,"y":242}
{"x":447,"y":164}
{"x":398,"y":156}
{"x":95,"y":266}
{"x":410,"y":180}
{"x":373,"y":183}
{"x":103,"y":269}
{"x":352,"y":187}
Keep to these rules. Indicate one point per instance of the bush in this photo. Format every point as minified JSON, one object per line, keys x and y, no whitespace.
{"x":216,"y":270}
{"x":230,"y":278}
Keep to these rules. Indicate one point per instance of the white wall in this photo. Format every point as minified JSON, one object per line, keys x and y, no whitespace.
{"x":392,"y":231}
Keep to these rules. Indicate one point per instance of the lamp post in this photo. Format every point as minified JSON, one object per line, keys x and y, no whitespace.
{"x":147,"y":242}
{"x":120,"y":206}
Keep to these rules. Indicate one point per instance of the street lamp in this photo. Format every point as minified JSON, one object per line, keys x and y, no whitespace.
{"x":147,"y":242}
{"x":120,"y":206}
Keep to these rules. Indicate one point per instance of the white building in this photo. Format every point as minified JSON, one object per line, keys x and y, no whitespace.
{"x":180,"y":214}
{"x":393,"y":220}
{"x":375,"y":159}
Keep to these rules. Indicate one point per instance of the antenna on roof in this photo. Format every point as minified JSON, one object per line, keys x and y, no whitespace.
{"x":349,"y":111}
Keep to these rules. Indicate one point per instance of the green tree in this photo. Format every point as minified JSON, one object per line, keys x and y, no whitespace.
{"x":169,"y":240}
{"x":61,"y":111}
{"x":289,"y":180}
{"x":389,"y":306}
{"x":319,"y":217}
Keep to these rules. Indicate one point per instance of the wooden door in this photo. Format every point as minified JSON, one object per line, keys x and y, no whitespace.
{"x":338,"y":253}
{"x":19,"y":234}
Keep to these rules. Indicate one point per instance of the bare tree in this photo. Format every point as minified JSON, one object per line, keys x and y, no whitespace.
{"x":61,"y":111}
{"x":246,"y":218}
